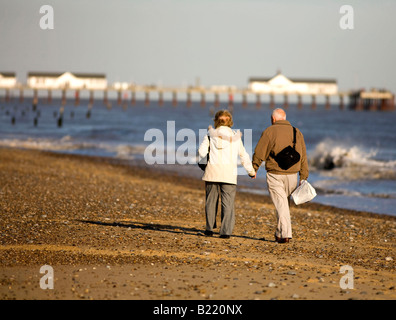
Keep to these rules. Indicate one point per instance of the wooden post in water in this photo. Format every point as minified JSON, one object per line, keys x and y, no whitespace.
{"x":77,"y":98}
{"x":133,"y":97}
{"x":373,"y":104}
{"x":60,"y":119}
{"x":216,"y":102}
{"x":341,"y":102}
{"x":49,"y":97}
{"x":63,"y":97}
{"x":160,"y":98}
{"x":124,"y":101}
{"x":230,"y":100}
{"x":272,"y":101}
{"x":35,"y":96}
{"x":258,"y":102}
{"x":119,"y":100}
{"x":299,"y":101}
{"x":203,"y":102}
{"x":313,"y":105}
{"x":328,"y":102}
{"x":91,"y":97}
{"x":174,"y":98}
{"x":20,"y":95}
{"x":147,"y":98}
{"x":244,"y":100}
{"x":286,"y":101}
{"x":383,"y":105}
{"x":34,"y":104}
{"x":105,"y":97}
{"x":7,"y":95}
{"x":88,"y":115}
{"x":188,"y":98}
{"x":359,"y":103}
{"x":387,"y":104}
{"x":391,"y":103}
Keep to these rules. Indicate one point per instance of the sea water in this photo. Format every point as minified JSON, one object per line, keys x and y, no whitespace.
{"x":352,"y":154}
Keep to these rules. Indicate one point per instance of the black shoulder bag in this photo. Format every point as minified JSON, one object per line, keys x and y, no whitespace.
{"x":288,"y":157}
{"x":204,"y":162}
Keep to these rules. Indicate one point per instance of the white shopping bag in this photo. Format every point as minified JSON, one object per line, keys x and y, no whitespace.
{"x":304,"y":193}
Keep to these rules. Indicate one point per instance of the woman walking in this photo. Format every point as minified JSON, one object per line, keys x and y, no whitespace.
{"x":224,"y":145}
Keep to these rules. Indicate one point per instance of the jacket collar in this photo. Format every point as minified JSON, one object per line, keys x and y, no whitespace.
{"x":282,"y":122}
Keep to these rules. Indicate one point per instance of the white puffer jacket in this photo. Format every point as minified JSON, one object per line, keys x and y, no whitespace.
{"x":225,"y":146}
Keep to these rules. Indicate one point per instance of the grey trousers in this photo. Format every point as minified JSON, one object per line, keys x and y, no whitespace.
{"x":227,"y":193}
{"x":280,"y":187}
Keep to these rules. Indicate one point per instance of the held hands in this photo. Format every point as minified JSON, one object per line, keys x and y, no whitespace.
{"x":253,"y":176}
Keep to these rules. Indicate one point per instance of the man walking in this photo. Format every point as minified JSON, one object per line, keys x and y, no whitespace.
{"x":281,"y":182}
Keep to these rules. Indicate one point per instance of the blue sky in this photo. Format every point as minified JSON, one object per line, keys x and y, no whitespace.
{"x":174,"y":42}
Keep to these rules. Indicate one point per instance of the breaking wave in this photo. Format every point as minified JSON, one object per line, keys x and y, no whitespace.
{"x":338,"y":159}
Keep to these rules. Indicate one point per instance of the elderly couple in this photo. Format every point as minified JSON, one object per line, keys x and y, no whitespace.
{"x":224,"y":145}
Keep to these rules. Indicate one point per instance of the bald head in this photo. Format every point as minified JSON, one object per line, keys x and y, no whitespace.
{"x":278,"y":114}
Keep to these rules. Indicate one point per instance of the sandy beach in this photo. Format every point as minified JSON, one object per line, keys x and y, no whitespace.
{"x":111,"y":230}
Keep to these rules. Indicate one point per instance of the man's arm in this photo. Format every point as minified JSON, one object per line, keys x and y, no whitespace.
{"x":304,"y":172}
{"x":261,"y":151}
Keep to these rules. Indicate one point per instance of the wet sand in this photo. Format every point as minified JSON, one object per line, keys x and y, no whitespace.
{"x":111,"y":230}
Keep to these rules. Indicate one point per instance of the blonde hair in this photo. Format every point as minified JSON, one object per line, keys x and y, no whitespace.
{"x":223,"y":118}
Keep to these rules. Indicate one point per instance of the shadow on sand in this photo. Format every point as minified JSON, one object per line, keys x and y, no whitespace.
{"x":162,"y":228}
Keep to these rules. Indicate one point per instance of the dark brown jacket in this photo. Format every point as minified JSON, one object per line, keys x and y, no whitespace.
{"x":275,"y":138}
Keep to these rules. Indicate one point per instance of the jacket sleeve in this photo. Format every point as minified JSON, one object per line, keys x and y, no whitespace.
{"x":245,"y":160}
{"x":304,"y":172}
{"x":203,"y":148}
{"x":261,"y":152}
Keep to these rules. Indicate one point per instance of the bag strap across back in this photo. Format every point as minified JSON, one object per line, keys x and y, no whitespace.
{"x":294,"y":137}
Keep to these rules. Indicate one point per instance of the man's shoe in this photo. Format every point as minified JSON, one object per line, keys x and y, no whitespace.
{"x":208,"y":233}
{"x":225,"y":236}
{"x":282,"y":240}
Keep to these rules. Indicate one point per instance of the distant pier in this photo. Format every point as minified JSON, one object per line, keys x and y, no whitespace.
{"x":372,"y":100}
{"x":125,"y":94}
{"x":151,"y":93}
{"x":358,"y":100}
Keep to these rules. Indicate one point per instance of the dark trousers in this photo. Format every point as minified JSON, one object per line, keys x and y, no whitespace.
{"x":227,"y":193}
